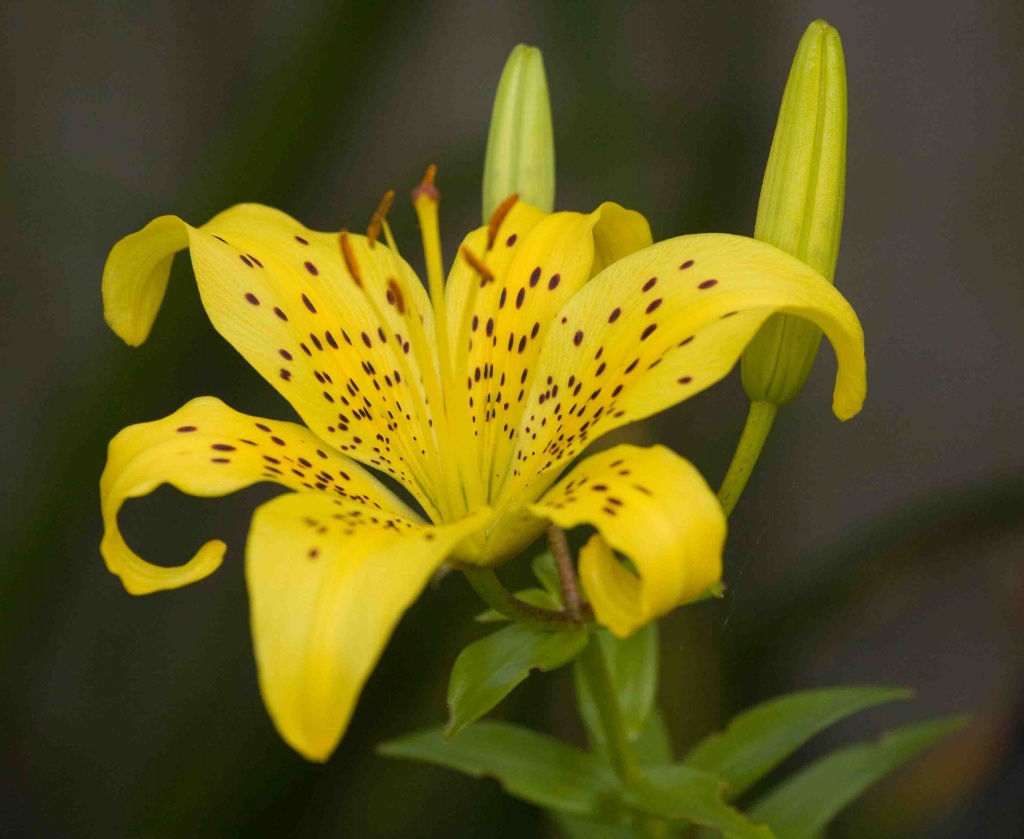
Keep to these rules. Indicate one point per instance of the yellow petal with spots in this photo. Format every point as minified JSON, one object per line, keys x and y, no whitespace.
{"x":333,"y":331}
{"x":535,"y":266}
{"x":659,"y":326}
{"x":207,"y":449}
{"x":328,"y":582}
{"x":136,"y":274}
{"x":653,"y":507}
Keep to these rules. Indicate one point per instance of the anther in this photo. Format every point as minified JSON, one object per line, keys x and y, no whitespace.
{"x":477,"y":265}
{"x":498,"y":216}
{"x":350,"y":258}
{"x":379,"y":217}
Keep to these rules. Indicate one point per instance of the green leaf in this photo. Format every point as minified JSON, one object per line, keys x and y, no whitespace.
{"x":576,"y":827}
{"x":487,"y":670}
{"x":802,"y":806}
{"x":758,"y":740}
{"x":546,"y":572}
{"x":633,"y":667}
{"x":528,"y":765}
{"x":681,"y":793}
{"x":533,"y":596}
{"x":654,"y":745}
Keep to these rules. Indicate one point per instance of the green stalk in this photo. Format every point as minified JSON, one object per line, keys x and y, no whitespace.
{"x":755,"y":432}
{"x":594,"y":670}
{"x":486,"y":583}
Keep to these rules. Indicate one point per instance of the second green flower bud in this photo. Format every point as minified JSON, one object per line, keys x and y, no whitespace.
{"x":520,"y":146}
{"x":801,"y":206}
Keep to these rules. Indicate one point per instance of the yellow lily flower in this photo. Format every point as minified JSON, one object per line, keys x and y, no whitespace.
{"x":551,"y":331}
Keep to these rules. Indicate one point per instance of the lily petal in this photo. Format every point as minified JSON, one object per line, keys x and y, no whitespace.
{"x":207,"y":449}
{"x":658,"y":327}
{"x":330,"y":330}
{"x":653,"y":507}
{"x":534,"y":273}
{"x":328,"y":582}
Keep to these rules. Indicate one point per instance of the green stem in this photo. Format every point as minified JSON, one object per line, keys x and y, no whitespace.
{"x":755,"y":432}
{"x":594,"y":670}
{"x":486,"y":583}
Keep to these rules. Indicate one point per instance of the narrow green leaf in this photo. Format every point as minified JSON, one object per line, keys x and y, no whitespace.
{"x":681,"y":793}
{"x":546,"y":572}
{"x":633,"y":667}
{"x":529,"y":765}
{"x":533,"y":596}
{"x":487,"y":670}
{"x":802,"y":806}
{"x":758,"y":740}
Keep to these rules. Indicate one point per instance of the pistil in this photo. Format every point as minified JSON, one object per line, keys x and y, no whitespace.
{"x":453,"y":413}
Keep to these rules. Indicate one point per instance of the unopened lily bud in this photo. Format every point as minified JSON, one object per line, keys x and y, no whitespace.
{"x":801,"y":206}
{"x":521,"y":145}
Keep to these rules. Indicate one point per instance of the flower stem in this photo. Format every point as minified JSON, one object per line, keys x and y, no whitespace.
{"x":594,"y":669}
{"x":486,"y":583}
{"x":566,"y":573}
{"x":755,"y":432}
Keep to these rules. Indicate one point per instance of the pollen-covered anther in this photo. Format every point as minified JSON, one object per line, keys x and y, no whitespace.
{"x":498,"y":216}
{"x":378,"y":218}
{"x":477,"y":265}
{"x":426,"y":189}
{"x":350,"y":258}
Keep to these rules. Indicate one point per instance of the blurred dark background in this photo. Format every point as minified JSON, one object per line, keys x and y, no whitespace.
{"x":884,"y":550}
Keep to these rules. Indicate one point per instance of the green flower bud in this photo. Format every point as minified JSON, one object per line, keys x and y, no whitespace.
{"x":521,"y":144}
{"x":801,"y":206}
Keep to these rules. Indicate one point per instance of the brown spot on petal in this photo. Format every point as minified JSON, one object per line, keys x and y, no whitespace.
{"x":395,"y":296}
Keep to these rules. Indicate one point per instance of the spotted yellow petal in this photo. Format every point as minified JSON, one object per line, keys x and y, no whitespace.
{"x":331,"y":328}
{"x":328,"y":582}
{"x":653,"y":507}
{"x":659,"y":326}
{"x":533,"y":266}
{"x":135,"y":277}
{"x":207,"y":449}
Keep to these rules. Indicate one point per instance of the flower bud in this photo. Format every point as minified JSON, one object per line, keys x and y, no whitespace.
{"x":521,"y":145}
{"x":801,"y":206}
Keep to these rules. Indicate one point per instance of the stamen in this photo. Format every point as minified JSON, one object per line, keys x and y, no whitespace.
{"x":432,"y":483}
{"x":445,"y":458}
{"x":497,"y":217}
{"x":379,"y":217}
{"x":486,"y":276}
{"x":350,"y":258}
{"x":389,"y":237}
